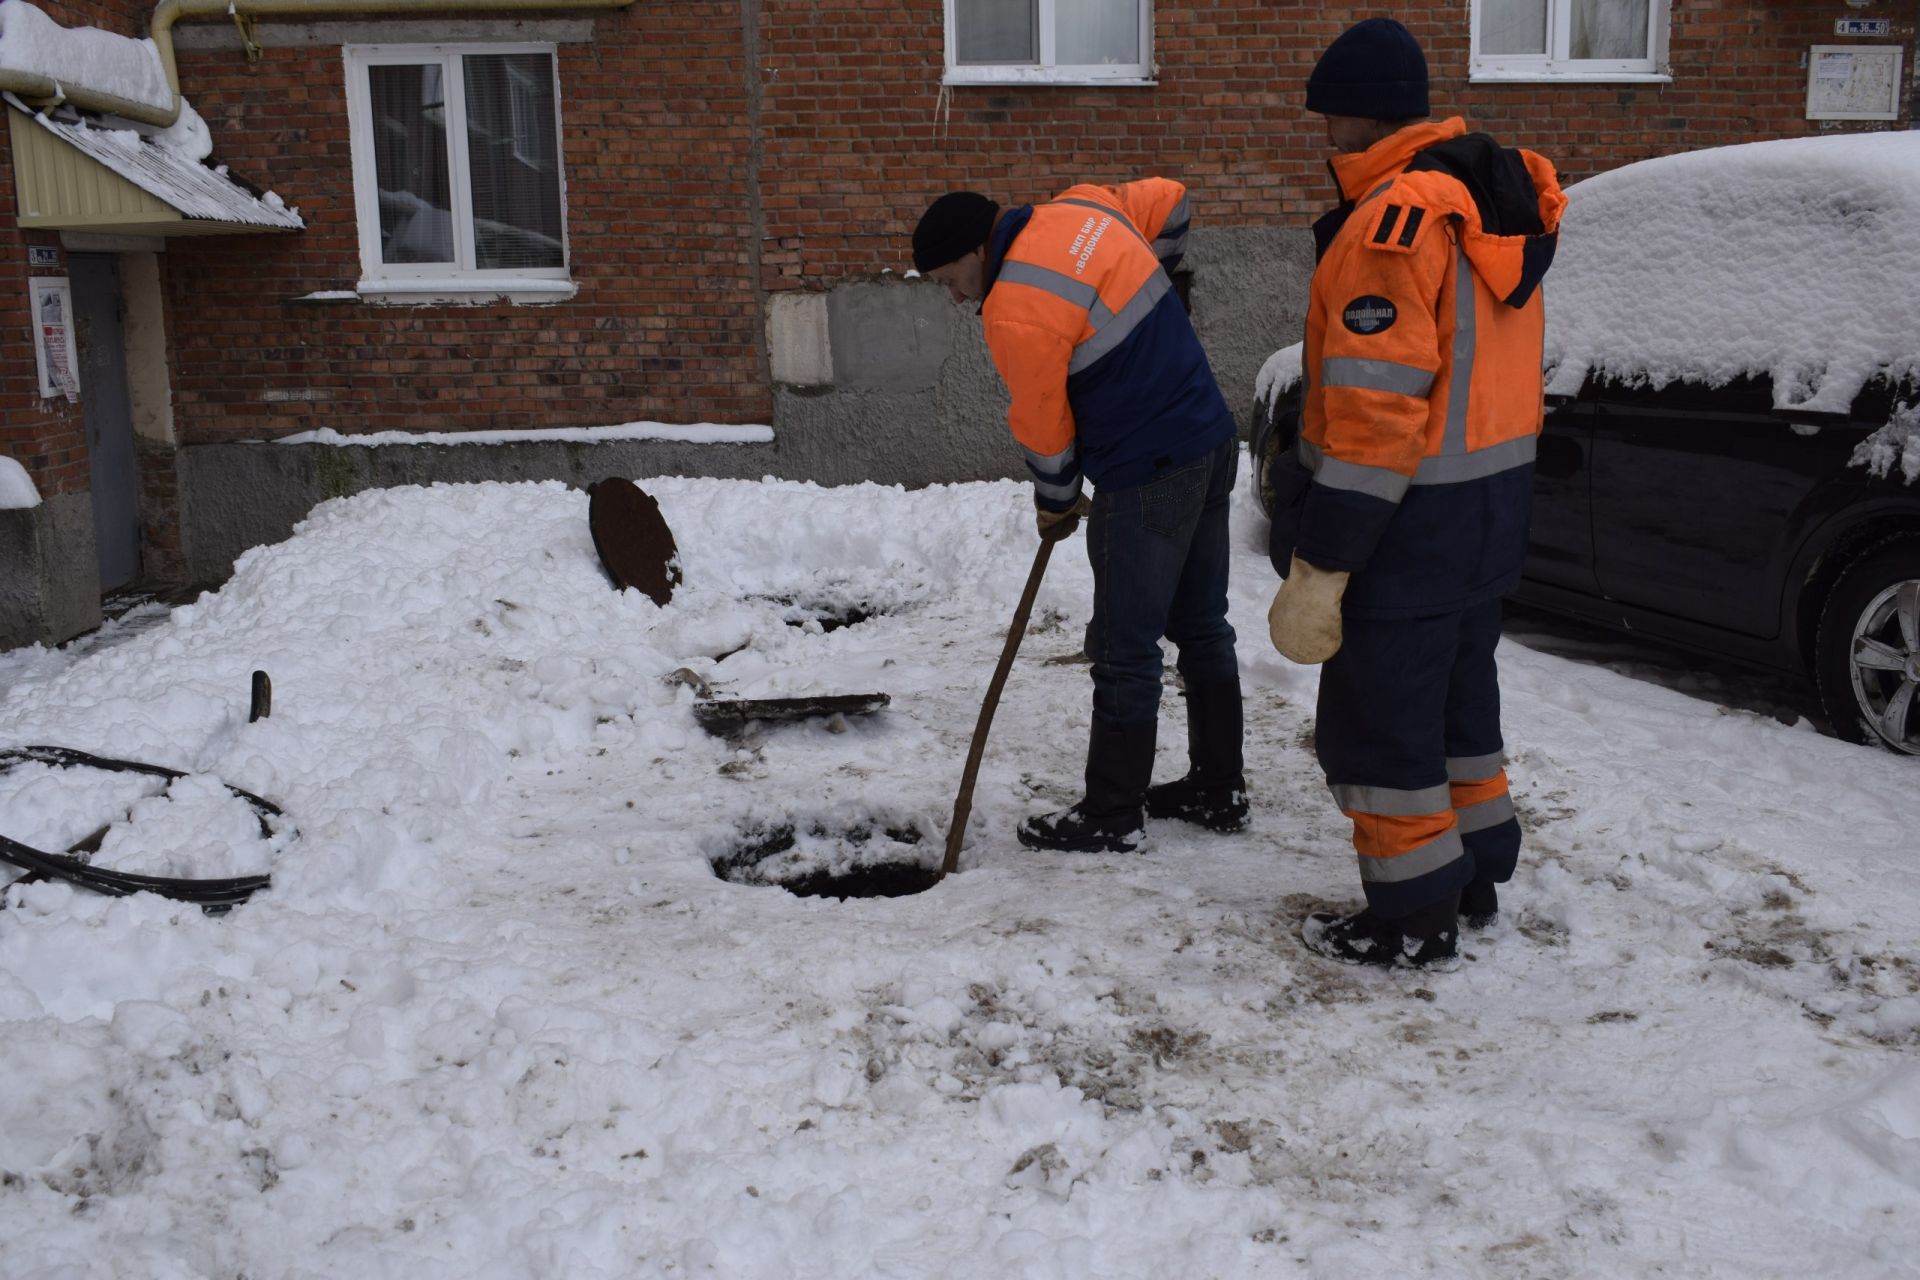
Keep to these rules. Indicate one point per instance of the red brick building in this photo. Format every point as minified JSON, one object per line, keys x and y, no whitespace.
{"x":686,"y":213}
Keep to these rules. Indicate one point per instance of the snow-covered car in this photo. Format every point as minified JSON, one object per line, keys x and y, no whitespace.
{"x":1731,"y":459}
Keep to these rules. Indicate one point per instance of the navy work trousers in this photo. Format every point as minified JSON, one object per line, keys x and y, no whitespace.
{"x":1408,"y":732}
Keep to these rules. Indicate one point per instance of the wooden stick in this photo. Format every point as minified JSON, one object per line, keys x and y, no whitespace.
{"x":963,"y":803}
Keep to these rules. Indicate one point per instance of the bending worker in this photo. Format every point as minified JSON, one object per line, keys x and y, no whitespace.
{"x":1109,"y":384}
{"x":1401,"y":518}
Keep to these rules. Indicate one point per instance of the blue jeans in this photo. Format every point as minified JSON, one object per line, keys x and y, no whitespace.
{"x":1160,"y":555}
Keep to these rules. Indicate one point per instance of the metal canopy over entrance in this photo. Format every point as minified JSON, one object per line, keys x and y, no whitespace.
{"x":72,"y":176}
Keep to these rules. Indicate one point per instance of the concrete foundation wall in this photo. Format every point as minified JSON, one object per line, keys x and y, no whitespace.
{"x":1249,"y":299}
{"x":876,"y":380}
{"x":236,"y":496}
{"x":49,"y":571}
{"x":901,"y":354}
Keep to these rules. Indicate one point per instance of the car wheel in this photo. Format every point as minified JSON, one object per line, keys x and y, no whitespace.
{"x":1263,"y":473}
{"x":1867,"y":658}
{"x":1276,"y":431}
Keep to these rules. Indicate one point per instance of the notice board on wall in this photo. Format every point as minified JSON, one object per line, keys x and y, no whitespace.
{"x":1853,"y":82}
{"x":53,"y":344}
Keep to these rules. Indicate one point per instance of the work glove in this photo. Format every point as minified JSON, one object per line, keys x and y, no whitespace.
{"x":1058,"y":525}
{"x":1305,"y":618}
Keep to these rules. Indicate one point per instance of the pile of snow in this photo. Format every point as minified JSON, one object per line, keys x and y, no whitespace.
{"x":497,"y":1017}
{"x":1279,"y":374}
{"x":81,"y":57}
{"x":693,"y":433}
{"x":1793,"y":259}
{"x":17,"y":489}
{"x":1895,"y":446}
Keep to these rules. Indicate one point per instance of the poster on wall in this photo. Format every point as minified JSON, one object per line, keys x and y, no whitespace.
{"x":1853,"y":82}
{"x":53,"y":346}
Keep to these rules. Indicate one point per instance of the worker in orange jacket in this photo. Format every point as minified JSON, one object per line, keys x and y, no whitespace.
{"x":1109,"y":384}
{"x":1402,"y":513}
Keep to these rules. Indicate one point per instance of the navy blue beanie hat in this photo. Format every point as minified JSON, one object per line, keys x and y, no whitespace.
{"x":953,"y":226}
{"x":1374,"y":70}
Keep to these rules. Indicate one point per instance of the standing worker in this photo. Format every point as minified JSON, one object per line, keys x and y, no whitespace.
{"x":1402,"y":515}
{"x":1110,"y":383}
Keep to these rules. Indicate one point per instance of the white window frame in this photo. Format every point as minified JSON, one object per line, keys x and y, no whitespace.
{"x":459,"y":280}
{"x":1559,"y":64}
{"x":1046,"y":70}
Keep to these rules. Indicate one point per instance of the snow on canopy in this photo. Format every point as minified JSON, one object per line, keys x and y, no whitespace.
{"x":85,"y":57}
{"x":175,"y":177}
{"x":1796,"y":259}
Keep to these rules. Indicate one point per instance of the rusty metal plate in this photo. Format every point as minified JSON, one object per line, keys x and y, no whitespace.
{"x":632,"y":538}
{"x":727,"y":715}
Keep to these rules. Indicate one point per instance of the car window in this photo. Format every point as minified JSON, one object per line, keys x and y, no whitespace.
{"x":1748,"y":395}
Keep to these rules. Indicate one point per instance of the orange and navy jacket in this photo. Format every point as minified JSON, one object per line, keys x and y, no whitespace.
{"x":1107,"y":376}
{"x":1423,"y":398}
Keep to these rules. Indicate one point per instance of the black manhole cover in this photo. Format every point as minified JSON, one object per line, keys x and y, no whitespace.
{"x":818,"y":861}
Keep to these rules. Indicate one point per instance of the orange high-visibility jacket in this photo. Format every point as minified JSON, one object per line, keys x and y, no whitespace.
{"x":1106,"y":374}
{"x":1423,"y":400}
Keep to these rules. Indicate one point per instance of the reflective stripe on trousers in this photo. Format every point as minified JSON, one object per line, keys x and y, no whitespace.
{"x":1481,"y":803}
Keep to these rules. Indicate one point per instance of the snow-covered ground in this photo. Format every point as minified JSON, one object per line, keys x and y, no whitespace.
{"x":498,"y":1017}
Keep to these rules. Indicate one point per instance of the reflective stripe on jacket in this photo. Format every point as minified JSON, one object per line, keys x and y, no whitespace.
{"x":1423,"y":401}
{"x":1107,"y":376}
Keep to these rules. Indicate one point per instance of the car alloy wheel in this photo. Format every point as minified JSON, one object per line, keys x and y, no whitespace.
{"x":1867,"y":652}
{"x":1886,"y":665}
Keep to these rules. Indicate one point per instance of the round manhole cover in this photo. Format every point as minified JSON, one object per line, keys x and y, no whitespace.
{"x":632,"y":538}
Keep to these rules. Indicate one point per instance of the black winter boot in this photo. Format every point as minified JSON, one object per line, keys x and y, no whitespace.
{"x":1479,"y":904}
{"x":1426,"y":939}
{"x":1214,"y":792}
{"x":1119,"y":762}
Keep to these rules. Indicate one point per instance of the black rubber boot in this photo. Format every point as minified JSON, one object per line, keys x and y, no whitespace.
{"x":1109,"y":820}
{"x":1427,"y":939}
{"x":1479,"y":904}
{"x":1214,"y":792}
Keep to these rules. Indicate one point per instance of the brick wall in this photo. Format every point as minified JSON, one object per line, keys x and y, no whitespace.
{"x":859,"y":136}
{"x":48,"y":437}
{"x":691,"y":191}
{"x":666,"y":324}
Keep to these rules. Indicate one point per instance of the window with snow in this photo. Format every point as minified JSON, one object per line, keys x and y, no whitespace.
{"x":1622,"y":40}
{"x":1049,"y":41}
{"x":456,"y":163}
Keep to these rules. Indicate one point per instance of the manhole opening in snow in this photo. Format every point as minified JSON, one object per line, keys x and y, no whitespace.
{"x":815,"y":860}
{"x":825,"y":612}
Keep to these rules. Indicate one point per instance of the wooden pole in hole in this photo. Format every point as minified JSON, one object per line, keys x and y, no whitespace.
{"x":963,"y":803}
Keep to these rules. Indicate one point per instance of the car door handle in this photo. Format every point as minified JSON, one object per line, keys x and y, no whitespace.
{"x":1807,"y":422}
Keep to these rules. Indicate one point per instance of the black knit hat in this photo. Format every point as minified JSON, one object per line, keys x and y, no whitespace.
{"x":953,"y":226}
{"x":1373,"y":70}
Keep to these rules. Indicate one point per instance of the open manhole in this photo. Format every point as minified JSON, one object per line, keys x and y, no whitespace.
{"x":815,"y":860}
{"x":802,"y":611}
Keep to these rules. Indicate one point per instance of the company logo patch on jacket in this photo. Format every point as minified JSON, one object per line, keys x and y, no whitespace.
{"x":1369,"y":314}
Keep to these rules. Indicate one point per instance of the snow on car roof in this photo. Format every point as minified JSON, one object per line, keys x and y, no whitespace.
{"x":1795,"y":258}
